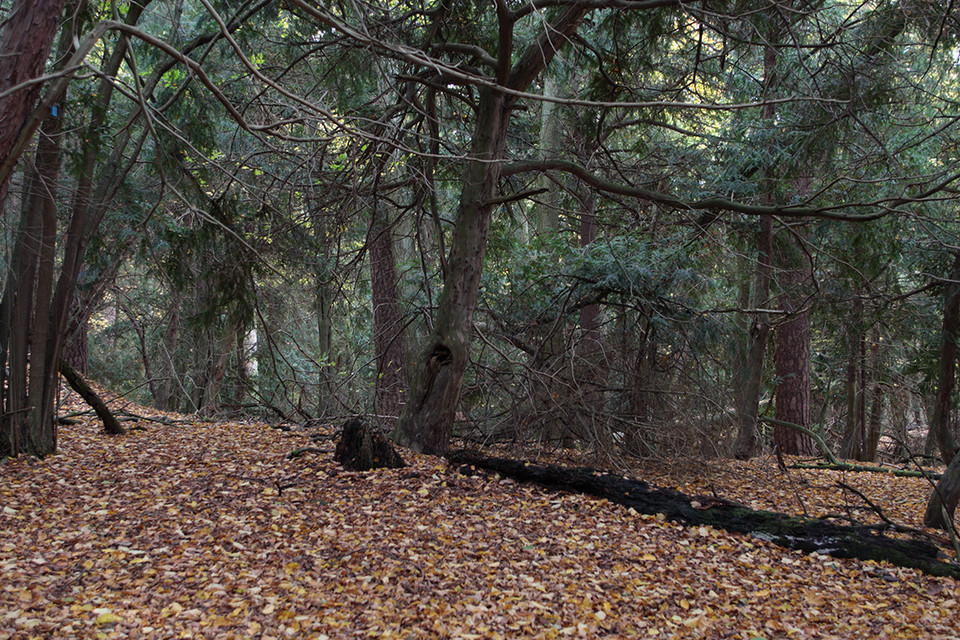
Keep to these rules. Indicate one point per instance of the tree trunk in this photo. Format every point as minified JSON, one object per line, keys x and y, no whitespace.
{"x":940,"y":424}
{"x":41,"y":423}
{"x":24,"y":49}
{"x":427,"y":421}
{"x":642,"y":382}
{"x":852,"y":443}
{"x":750,"y":385}
{"x":792,"y":357}
{"x":594,"y":369}
{"x":875,"y":416}
{"x":426,"y":424}
{"x":110,"y":423}
{"x":945,"y":497}
{"x":751,"y":378}
{"x":28,"y":424}
{"x":215,"y":368}
{"x":163,"y":400}
{"x":391,"y":381}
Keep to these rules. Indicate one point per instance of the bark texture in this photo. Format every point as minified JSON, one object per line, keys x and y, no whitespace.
{"x":792,"y":358}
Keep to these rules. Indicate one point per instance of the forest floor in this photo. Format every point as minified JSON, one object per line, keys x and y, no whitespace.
{"x":209,"y":530}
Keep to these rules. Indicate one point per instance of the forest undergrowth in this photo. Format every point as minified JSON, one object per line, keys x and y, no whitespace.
{"x":191,"y":529}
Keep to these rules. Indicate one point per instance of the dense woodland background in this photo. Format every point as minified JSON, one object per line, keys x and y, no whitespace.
{"x":648,"y":227}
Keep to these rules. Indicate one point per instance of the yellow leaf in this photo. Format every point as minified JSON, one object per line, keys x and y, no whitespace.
{"x":108,"y":618}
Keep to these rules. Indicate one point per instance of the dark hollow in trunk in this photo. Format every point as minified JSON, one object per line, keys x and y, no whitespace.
{"x":361,"y":449}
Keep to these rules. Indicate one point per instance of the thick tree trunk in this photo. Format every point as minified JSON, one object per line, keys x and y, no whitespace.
{"x":215,"y":368}
{"x":945,"y":497}
{"x":25,"y":46}
{"x":41,"y":423}
{"x":802,"y":534}
{"x":28,"y":424}
{"x":792,"y":358}
{"x":940,"y":425}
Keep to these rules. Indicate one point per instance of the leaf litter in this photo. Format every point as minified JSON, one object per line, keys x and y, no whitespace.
{"x":209,"y":530}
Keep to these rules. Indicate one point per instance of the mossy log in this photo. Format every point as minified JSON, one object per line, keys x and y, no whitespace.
{"x":802,"y":534}
{"x":361,"y":449}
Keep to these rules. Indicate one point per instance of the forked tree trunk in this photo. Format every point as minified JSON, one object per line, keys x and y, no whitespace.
{"x":28,"y":425}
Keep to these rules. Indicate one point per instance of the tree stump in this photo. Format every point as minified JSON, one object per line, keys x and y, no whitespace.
{"x":361,"y":449}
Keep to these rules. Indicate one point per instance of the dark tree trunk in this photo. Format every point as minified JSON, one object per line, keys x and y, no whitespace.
{"x":214,"y":369}
{"x":594,"y":368}
{"x":110,"y":423}
{"x":76,"y":346}
{"x":875,"y":417}
{"x":642,"y":385}
{"x":362,"y":449}
{"x":28,"y":424}
{"x":25,"y":47}
{"x":750,"y":385}
{"x":940,"y":424}
{"x":164,"y":399}
{"x":803,"y":534}
{"x":852,"y":443}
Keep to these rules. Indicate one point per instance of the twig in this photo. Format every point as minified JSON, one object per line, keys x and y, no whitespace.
{"x":876,"y":508}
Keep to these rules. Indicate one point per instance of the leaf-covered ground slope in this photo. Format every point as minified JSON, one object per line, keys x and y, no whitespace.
{"x":210,"y":531}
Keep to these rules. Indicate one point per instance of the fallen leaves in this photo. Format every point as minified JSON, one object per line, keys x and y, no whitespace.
{"x":208,"y":530}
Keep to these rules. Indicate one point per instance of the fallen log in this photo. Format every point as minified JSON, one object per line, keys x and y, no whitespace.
{"x":802,"y":534}
{"x":110,"y":423}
